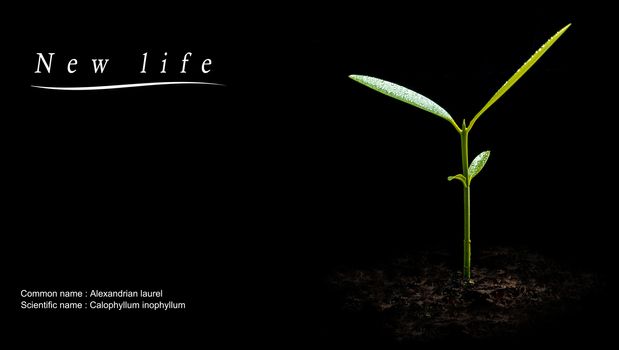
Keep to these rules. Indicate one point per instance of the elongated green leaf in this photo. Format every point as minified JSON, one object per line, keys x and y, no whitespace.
{"x":477,"y":164}
{"x":458,"y":177}
{"x":520,"y":72}
{"x":405,"y":95}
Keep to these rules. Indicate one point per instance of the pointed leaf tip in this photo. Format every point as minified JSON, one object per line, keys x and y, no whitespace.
{"x":477,"y":164}
{"x":405,"y":95}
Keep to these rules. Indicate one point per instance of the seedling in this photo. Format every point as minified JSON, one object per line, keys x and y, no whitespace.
{"x":468,"y":171}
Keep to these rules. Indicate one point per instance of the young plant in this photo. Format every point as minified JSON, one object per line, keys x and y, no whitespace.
{"x":468,"y":171}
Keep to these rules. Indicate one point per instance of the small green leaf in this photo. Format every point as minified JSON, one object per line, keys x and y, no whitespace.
{"x":477,"y":164}
{"x":520,"y":72}
{"x":405,"y":95}
{"x":458,"y":177}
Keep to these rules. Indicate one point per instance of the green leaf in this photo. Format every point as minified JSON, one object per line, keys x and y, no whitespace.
{"x":477,"y":164}
{"x":458,"y":177}
{"x":520,"y":72}
{"x":405,"y":95}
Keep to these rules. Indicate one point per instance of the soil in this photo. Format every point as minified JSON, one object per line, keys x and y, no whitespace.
{"x":419,"y":298}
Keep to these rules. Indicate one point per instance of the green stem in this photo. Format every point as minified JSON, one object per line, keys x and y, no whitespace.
{"x":464,"y":142}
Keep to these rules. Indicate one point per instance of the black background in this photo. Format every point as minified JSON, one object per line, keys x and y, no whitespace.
{"x":239,"y":200}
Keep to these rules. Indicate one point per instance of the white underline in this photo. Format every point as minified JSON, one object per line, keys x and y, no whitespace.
{"x":123,"y":86}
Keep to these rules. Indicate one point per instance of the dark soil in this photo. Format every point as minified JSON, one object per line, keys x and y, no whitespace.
{"x":420,"y":298}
